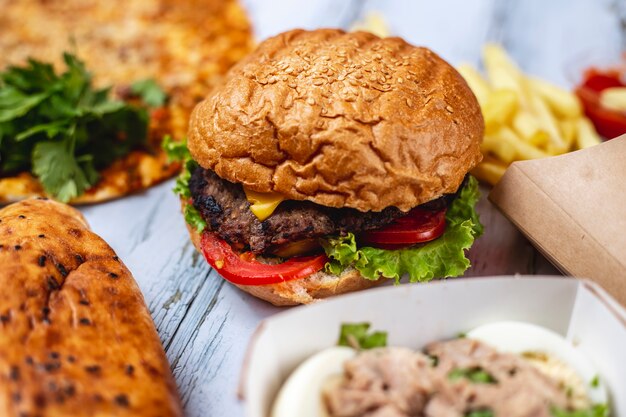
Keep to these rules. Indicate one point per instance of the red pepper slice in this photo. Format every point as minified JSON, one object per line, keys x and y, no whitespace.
{"x":608,"y":123}
{"x":244,"y":269}
{"x":418,"y":226}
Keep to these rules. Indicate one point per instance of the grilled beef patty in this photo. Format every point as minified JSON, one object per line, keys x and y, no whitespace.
{"x":227,"y":212}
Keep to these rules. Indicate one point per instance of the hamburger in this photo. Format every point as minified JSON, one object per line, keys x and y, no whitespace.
{"x":328,"y":162}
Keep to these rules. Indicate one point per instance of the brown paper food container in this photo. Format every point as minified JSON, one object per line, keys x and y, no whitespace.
{"x":573,"y":209}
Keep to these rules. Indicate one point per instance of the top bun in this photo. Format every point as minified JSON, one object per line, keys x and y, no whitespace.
{"x":342,"y":120}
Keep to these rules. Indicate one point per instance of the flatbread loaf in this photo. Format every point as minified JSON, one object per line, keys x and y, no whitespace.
{"x":76,"y":338}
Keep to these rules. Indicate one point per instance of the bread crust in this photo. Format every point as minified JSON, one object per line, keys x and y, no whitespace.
{"x":76,"y":336}
{"x":341,"y":119}
{"x":301,"y":291}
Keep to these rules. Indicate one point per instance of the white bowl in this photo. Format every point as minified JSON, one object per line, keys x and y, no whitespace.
{"x":414,"y":315}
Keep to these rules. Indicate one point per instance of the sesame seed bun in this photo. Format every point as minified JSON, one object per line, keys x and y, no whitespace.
{"x":342,"y":120}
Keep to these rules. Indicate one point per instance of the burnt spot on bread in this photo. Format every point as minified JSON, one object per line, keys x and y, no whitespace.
{"x":122,"y":400}
{"x":69,"y":390}
{"x":5,"y":318}
{"x":51,"y":366}
{"x":71,"y":358}
{"x":21,"y":216}
{"x":129,"y":370}
{"x":116,"y":258}
{"x":62,"y":270}
{"x":52,"y":284}
{"x":16,"y":397}
{"x":75,"y":232}
{"x":79,"y":258}
{"x":14,"y":373}
{"x":113,"y":275}
{"x":41,"y":236}
{"x":84,"y":321}
{"x":54,"y":355}
{"x":45,"y":312}
{"x":83,"y":297}
{"x":40,"y":400}
{"x":93,"y":369}
{"x":17,"y":247}
{"x":41,"y":261}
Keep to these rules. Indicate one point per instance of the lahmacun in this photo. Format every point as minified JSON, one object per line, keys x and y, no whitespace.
{"x":186,"y":46}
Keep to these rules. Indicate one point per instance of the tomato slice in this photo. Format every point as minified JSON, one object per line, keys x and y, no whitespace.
{"x":244,"y":269}
{"x":608,"y":123}
{"x":418,"y":226}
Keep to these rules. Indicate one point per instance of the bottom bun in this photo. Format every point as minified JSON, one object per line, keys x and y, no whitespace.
{"x":304,"y":290}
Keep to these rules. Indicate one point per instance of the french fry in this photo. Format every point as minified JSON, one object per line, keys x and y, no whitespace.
{"x":523,"y":149}
{"x":476,"y":82}
{"x":490,"y":170}
{"x":499,"y":109}
{"x":586,"y":135}
{"x":560,"y":101}
{"x":526,"y":118}
{"x":569,"y":130}
{"x":505,"y":152}
{"x":375,"y":23}
{"x":501,"y":71}
{"x":526,"y":125}
{"x":614,"y":98}
{"x":548,"y":123}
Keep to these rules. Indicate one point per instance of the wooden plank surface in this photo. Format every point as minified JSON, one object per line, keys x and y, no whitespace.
{"x":204,"y":323}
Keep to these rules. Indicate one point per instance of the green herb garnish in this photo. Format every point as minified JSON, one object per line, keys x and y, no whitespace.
{"x":597,"y":410}
{"x":62,"y":129}
{"x":476,"y":375}
{"x":149,"y":92}
{"x":595,"y":382}
{"x":480,"y":413}
{"x":356,"y":335}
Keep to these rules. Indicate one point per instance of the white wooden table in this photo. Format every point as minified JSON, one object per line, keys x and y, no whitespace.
{"x":204,"y":322}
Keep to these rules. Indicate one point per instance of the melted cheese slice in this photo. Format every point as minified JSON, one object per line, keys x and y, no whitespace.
{"x":263,"y":204}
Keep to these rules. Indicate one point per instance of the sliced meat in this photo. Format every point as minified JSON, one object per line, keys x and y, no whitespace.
{"x":399,"y":382}
{"x":383,"y":382}
{"x":227,"y":212}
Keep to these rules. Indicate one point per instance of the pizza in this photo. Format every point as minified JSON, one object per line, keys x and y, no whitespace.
{"x":186,"y":46}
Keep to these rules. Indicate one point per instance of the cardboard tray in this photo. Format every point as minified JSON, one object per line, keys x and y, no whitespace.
{"x":417,"y":314}
{"x":573,"y":209}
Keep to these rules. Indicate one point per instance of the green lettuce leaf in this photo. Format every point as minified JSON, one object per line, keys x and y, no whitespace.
{"x":177,"y":152}
{"x":441,"y":258}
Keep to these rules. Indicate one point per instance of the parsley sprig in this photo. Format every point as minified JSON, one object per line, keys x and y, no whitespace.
{"x":62,"y":129}
{"x":357,"y":335}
